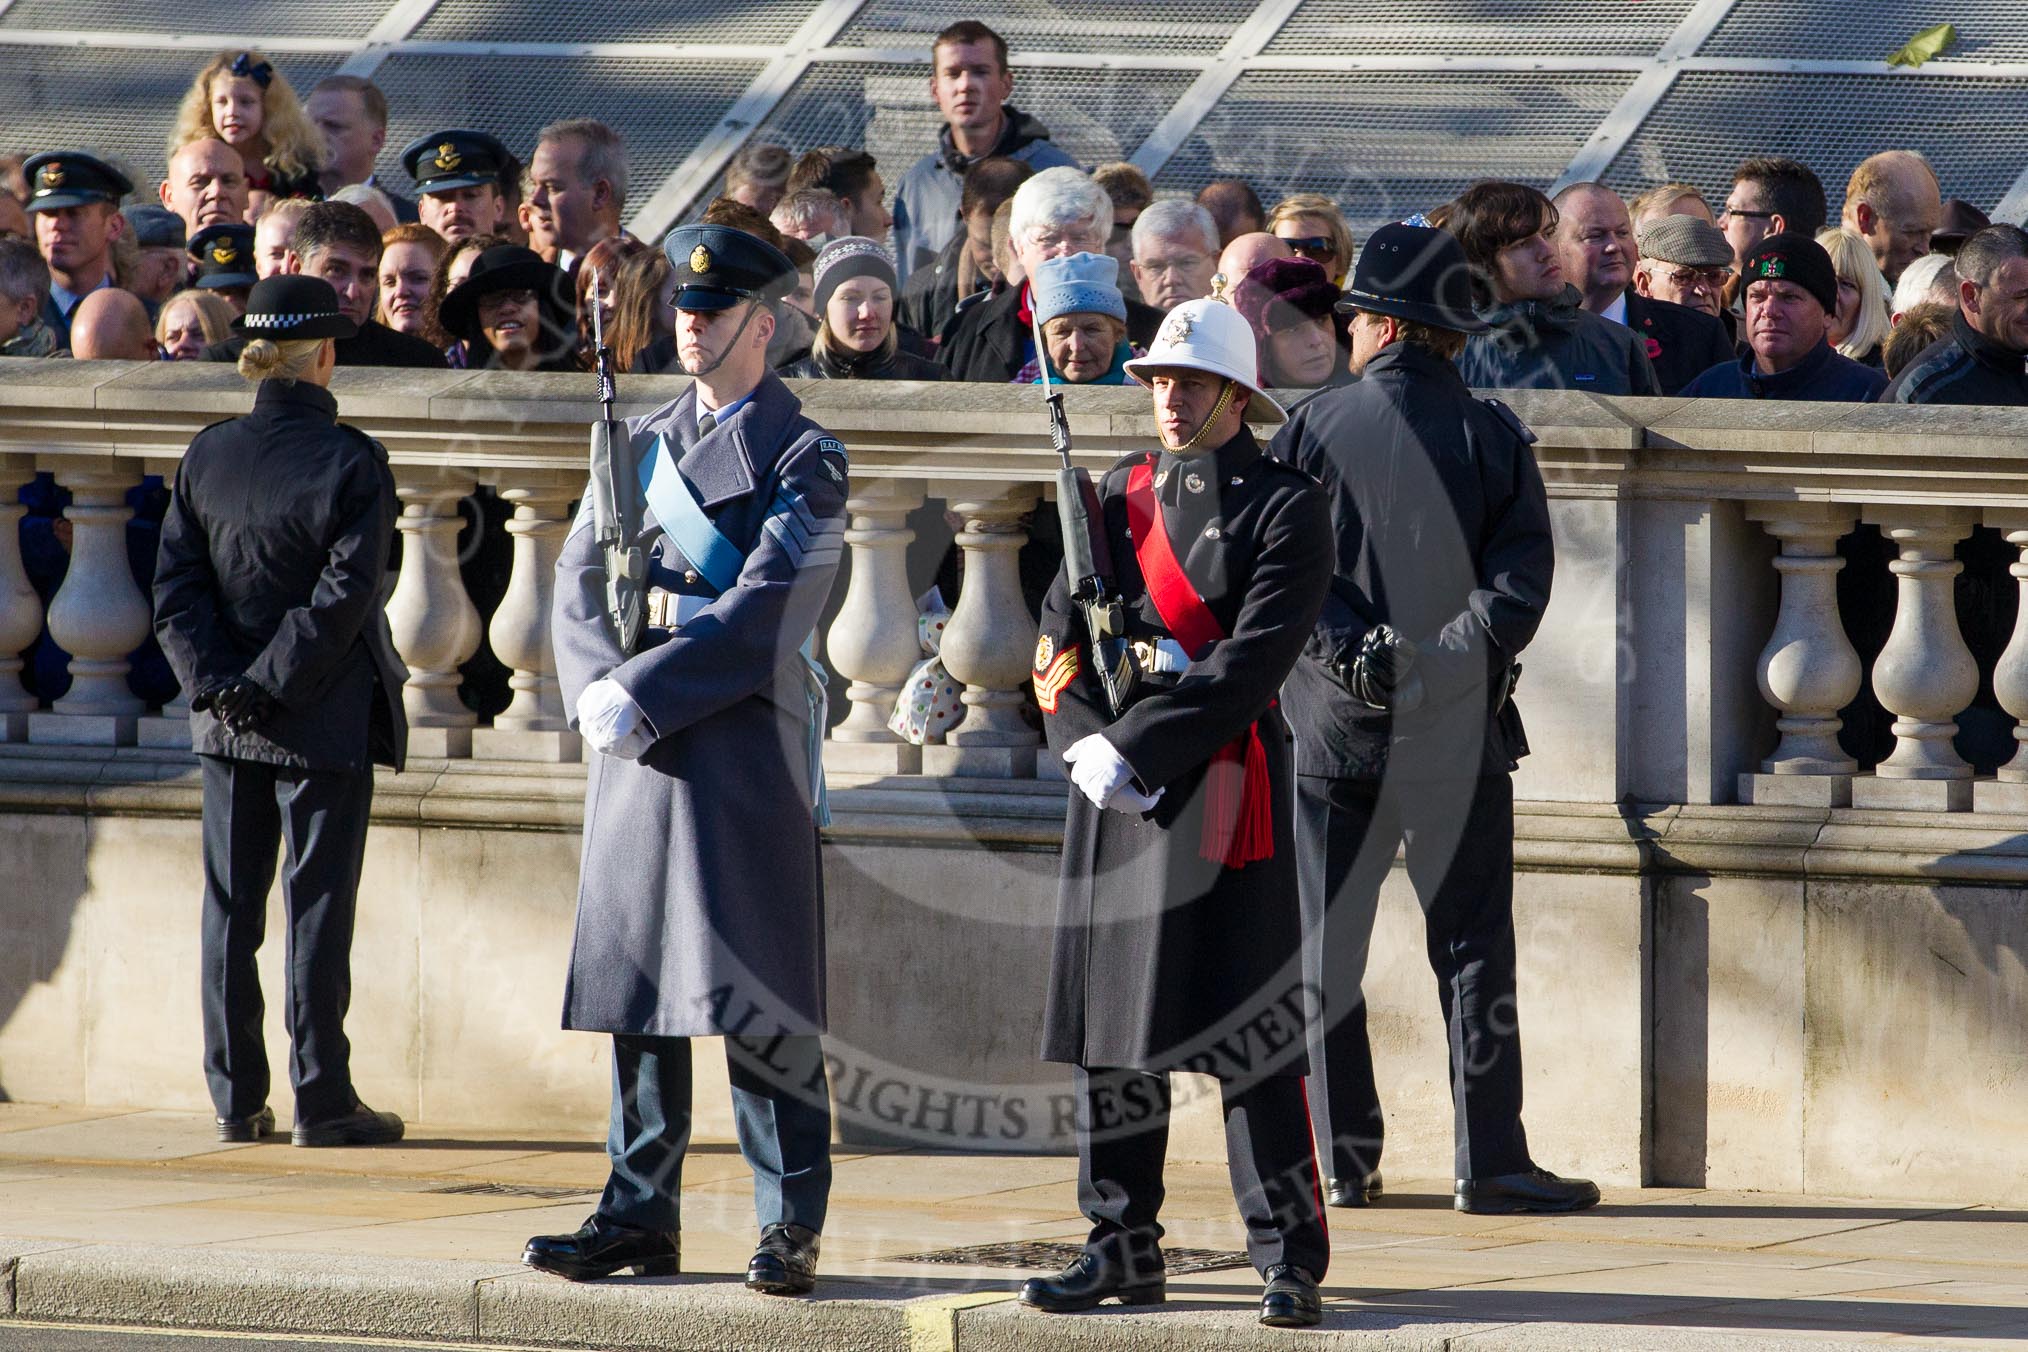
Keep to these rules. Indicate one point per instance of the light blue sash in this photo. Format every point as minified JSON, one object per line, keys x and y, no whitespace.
{"x":719,"y":561}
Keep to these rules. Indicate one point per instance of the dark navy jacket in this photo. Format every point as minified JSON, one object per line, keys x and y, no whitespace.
{"x":1825,"y":376}
{"x":1965,"y":368}
{"x":1442,"y":530}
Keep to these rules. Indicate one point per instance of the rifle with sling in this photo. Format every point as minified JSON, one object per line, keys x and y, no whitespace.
{"x":617,"y":501}
{"x":1087,"y":558}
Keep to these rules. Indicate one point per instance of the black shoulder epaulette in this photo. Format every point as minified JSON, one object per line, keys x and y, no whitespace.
{"x":1513,"y":421}
{"x":379,"y":451}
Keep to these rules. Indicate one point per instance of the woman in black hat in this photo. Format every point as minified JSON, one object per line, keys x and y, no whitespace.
{"x":268,"y":605}
{"x":514,"y":312}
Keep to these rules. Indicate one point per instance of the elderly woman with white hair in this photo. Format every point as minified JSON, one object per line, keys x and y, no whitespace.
{"x":1083,"y":318}
{"x":1056,"y":213}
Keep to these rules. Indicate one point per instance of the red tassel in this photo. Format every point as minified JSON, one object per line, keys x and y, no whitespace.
{"x":1239,"y":822}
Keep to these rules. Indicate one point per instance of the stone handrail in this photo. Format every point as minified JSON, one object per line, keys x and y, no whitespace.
{"x":1695,"y":597}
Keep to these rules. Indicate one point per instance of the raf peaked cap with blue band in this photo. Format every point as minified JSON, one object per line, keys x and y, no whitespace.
{"x":290,"y":306}
{"x":717,"y":267}
{"x":71,"y":178}
{"x":445,"y":161}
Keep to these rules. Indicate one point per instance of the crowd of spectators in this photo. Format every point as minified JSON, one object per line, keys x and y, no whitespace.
{"x":958,"y":265}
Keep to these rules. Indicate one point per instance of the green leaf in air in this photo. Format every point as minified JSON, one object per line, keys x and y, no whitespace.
{"x":1924,"y":45}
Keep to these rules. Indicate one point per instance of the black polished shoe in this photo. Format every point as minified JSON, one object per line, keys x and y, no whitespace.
{"x":1092,"y":1279}
{"x":1530,"y":1190}
{"x":361,"y":1126}
{"x":1291,"y":1300}
{"x":602,"y":1247}
{"x":242,"y":1130}
{"x":785,"y":1264}
{"x":1352,"y":1192}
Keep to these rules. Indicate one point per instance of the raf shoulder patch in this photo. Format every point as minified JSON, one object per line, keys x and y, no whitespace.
{"x":832,"y":446}
{"x":1053,"y":677}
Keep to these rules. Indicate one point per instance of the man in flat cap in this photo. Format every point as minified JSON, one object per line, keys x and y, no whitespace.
{"x":457,"y":174}
{"x":700,"y":903}
{"x":75,"y":200}
{"x":159,"y":234}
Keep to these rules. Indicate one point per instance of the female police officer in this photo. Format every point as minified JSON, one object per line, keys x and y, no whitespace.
{"x":268,"y":604}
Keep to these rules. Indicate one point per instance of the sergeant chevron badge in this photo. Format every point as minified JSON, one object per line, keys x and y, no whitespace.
{"x":1051,"y":680}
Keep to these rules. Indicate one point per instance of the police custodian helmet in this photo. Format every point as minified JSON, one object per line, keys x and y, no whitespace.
{"x":289,"y":306}
{"x":717,"y":267}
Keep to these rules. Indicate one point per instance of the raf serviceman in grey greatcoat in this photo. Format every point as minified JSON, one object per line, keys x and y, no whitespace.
{"x":1178,"y":942}
{"x":268,"y":606}
{"x":1400,"y":704}
{"x":700,"y":901}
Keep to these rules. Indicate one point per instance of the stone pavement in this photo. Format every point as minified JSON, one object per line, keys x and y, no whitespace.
{"x":139,"y":1218}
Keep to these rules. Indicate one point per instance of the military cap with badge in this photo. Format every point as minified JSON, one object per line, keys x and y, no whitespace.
{"x":445,"y":161}
{"x":224,"y":255}
{"x":70,"y":178}
{"x":718,"y":266}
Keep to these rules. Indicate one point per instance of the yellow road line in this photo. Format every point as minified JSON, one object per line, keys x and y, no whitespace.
{"x":933,"y":1321}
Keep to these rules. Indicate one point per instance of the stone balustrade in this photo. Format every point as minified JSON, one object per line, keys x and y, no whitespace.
{"x":1694,"y":651}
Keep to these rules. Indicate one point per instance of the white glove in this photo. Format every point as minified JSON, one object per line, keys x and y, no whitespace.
{"x":1133,"y":802}
{"x":1097,"y":768}
{"x":612,"y":722}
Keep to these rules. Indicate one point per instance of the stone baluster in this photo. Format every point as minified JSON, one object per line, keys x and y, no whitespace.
{"x":2008,"y":792}
{"x":874,"y":638}
{"x":98,"y":615}
{"x":20,"y":607}
{"x":990,"y":640}
{"x":1809,"y":669}
{"x":1925,"y":676}
{"x":533,"y":726}
{"x":434,"y":623}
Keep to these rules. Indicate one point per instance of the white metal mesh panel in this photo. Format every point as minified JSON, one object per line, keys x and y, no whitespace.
{"x":1176,"y":27}
{"x":1385,"y":145}
{"x":1829,"y":122}
{"x":112,"y":102}
{"x":229,"y":18}
{"x":662,"y":108}
{"x":1477,"y":27}
{"x":1096,"y":115}
{"x":740,"y":22}
{"x":1870,"y":30}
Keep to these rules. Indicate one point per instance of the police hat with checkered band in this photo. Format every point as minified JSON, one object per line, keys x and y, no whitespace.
{"x":445,"y":161}
{"x":290,"y":306}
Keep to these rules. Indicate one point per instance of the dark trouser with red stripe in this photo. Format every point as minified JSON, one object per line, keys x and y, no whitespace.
{"x":1123,"y":1137}
{"x":1460,"y":853}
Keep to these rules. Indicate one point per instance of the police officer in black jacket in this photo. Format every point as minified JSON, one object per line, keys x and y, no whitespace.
{"x":268,"y":604}
{"x":1401,"y":711}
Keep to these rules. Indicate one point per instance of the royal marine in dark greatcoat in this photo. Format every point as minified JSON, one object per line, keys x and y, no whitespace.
{"x":1178,"y":935}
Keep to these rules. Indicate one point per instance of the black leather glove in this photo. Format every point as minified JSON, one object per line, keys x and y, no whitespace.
{"x":1383,"y":674}
{"x":206,"y":696}
{"x":243,"y":705}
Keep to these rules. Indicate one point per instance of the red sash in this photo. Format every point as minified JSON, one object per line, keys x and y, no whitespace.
{"x":1238,"y":807}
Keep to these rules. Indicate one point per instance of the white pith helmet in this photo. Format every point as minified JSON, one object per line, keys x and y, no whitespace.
{"x":1209,"y":335}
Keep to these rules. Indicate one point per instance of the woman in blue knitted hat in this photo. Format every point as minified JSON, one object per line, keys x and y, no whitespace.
{"x":1083,"y":319}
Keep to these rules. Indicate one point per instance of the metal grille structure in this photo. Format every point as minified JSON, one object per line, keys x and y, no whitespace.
{"x":348,"y":19}
{"x":1830,"y":122}
{"x":662,"y":108}
{"x":1384,"y":145}
{"x":1387,"y":105}
{"x":1988,"y":30}
{"x":1159,"y":27}
{"x":1476,"y":27}
{"x":736,"y":22}
{"x":118,"y":103}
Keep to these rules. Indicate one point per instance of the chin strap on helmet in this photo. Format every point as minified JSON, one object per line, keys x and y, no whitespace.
{"x":1210,"y":419}
{"x":753,"y":308}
